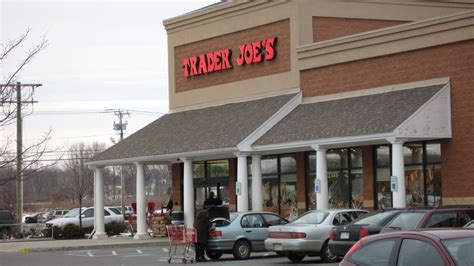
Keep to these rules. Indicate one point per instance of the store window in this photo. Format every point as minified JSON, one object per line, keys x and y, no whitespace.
{"x":345,"y":178}
{"x":279,"y":184}
{"x":422,"y":174}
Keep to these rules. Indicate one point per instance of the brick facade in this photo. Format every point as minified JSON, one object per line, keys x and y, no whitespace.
{"x":454,"y":60}
{"x":281,"y":63}
{"x":331,"y":28}
{"x":301,"y":182}
{"x":176,"y":184}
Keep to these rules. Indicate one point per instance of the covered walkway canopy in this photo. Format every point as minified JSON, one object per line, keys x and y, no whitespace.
{"x":281,"y":124}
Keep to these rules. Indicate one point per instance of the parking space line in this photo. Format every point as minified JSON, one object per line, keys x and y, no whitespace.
{"x":114,"y":253}
{"x":165,"y":249}
{"x":90,"y":254}
{"x":139,"y":251}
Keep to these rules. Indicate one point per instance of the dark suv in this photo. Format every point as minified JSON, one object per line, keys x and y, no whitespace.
{"x":441,"y":217}
{"x":6,"y":221}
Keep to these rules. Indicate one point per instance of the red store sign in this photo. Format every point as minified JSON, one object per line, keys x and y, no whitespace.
{"x":250,"y":53}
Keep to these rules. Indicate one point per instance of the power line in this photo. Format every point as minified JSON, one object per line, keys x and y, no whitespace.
{"x":70,"y":137}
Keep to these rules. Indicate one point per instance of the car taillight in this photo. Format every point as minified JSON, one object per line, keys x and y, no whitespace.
{"x":215,"y":233}
{"x":363,"y":233}
{"x":331,"y":234}
{"x":355,"y":247}
{"x":298,"y":235}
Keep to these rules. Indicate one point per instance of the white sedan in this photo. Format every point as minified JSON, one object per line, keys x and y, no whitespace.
{"x":111,"y":214}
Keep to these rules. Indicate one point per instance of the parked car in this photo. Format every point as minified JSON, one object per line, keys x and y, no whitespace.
{"x":431,"y":248}
{"x":54,"y":214}
{"x":449,"y":216}
{"x":343,"y":237}
{"x":72,"y":217}
{"x":469,"y":225}
{"x":6,"y":222}
{"x":37,"y":217}
{"x":241,"y":234}
{"x":308,"y":235}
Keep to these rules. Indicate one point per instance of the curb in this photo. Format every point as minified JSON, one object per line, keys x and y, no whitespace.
{"x":26,"y":249}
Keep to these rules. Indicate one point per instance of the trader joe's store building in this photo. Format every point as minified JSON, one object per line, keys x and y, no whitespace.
{"x":289,"y":106}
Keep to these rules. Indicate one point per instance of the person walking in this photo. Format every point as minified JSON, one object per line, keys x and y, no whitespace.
{"x":202,"y":226}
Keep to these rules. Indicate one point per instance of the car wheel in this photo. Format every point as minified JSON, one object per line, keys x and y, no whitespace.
{"x":326,"y":254}
{"x":295,"y":257}
{"x":241,"y":250}
{"x":214,"y":255}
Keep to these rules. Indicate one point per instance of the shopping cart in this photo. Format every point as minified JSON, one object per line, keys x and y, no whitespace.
{"x":181,"y":241}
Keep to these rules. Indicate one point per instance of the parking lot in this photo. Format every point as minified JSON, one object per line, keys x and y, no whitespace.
{"x":131,"y":256}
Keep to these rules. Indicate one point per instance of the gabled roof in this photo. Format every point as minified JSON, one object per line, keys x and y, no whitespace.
{"x":210,"y":128}
{"x":347,"y":117}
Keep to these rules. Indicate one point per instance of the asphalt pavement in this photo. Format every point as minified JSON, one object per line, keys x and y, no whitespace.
{"x":124,"y":256}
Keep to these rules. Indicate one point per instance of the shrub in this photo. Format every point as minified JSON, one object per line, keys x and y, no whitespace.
{"x":114,"y":228}
{"x":72,"y":232}
{"x":88,"y":230}
{"x":57,"y":232}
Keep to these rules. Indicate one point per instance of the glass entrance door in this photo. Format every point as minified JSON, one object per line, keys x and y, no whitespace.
{"x":202,"y":193}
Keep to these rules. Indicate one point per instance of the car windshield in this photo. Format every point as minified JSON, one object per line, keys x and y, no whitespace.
{"x":405,"y":221}
{"x":316,"y":217}
{"x":461,"y":249}
{"x":373,"y":218}
{"x":72,"y":213}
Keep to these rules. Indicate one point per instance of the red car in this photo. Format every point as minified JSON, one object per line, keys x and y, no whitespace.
{"x":420,"y":248}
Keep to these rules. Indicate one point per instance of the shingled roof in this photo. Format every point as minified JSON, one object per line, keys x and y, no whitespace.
{"x":209,"y":128}
{"x":362,"y":115}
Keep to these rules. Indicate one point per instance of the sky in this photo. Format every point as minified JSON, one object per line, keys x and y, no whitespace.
{"x":101,"y":55}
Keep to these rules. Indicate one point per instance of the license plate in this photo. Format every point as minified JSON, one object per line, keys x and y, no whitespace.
{"x":344,"y":235}
{"x":277,"y":247}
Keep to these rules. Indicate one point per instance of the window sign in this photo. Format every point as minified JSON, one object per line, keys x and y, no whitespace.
{"x":393,"y":184}
{"x":238,"y":188}
{"x":317,"y":185}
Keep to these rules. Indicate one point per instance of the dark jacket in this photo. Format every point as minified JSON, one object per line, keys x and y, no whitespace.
{"x":202,"y":226}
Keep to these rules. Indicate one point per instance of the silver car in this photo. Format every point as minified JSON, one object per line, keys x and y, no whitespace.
{"x":309,"y":234}
{"x":243,"y":233}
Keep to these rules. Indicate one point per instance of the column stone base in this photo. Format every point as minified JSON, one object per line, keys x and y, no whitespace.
{"x":100,"y":236}
{"x":141,"y":236}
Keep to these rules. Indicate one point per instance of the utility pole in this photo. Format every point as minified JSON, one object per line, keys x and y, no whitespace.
{"x":19,"y":144}
{"x":120,"y":127}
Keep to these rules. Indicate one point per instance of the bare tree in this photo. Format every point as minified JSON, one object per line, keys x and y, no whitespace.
{"x":79,"y":177}
{"x":31,"y":154}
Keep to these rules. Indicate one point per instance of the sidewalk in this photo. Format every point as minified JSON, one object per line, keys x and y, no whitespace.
{"x":52,"y":245}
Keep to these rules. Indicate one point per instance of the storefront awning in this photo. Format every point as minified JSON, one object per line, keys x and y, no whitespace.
{"x":215,"y":130}
{"x":417,"y":113}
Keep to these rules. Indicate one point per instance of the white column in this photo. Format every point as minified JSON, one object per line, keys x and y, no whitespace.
{"x":242,"y":178}
{"x":257,"y":185}
{"x":99,"y":204}
{"x":141,"y":204}
{"x":398,"y":170}
{"x":95,"y":208}
{"x":188,"y":190}
{"x":322,"y":198}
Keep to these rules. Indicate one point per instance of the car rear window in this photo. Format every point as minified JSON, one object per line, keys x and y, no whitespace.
{"x":316,"y":217}
{"x":374,"y":218}
{"x":115,"y":210}
{"x":405,"y":221}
